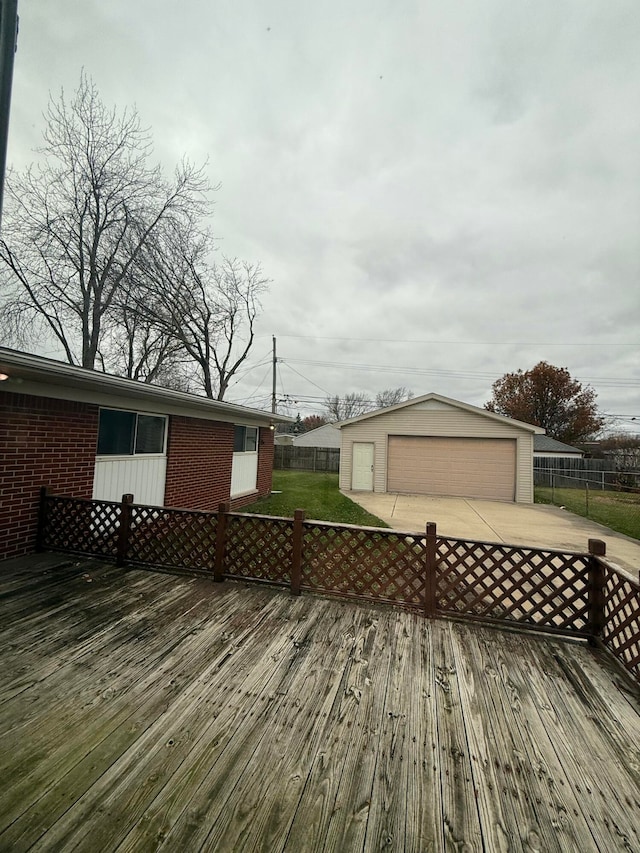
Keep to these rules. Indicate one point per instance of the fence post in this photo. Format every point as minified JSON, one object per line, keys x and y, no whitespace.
{"x":597,"y":548}
{"x":45,"y":491}
{"x":430,"y":602}
{"x":296,"y":557}
{"x":123,"y":529}
{"x":221,"y":541}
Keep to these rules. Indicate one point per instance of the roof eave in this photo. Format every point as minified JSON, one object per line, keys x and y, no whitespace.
{"x":442,"y":399}
{"x":24,"y":368}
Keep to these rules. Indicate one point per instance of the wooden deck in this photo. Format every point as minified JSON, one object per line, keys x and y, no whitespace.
{"x":142,"y":711}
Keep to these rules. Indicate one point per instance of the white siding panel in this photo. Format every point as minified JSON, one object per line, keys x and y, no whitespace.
{"x":449,"y":422}
{"x":244,"y":473}
{"x":142,"y":476}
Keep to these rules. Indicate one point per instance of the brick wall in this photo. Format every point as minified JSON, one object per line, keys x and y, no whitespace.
{"x":48,"y":442}
{"x":200,"y":454}
{"x":43,"y":442}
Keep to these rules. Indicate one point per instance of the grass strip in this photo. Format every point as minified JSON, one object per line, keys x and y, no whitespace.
{"x":618,"y":510}
{"x":317,"y":494}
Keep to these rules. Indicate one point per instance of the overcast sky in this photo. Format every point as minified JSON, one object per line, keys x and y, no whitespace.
{"x":440,"y":191}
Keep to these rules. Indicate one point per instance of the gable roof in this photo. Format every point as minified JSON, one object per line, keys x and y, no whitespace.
{"x":546,"y":444}
{"x":44,"y":377}
{"x":323,"y":436}
{"x":458,"y":404}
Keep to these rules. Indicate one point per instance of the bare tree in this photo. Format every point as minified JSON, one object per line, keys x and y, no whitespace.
{"x":238,"y":287}
{"x":137,"y":347}
{"x":76,"y":225}
{"x":391,"y":396}
{"x":207,"y":310}
{"x":350,"y":406}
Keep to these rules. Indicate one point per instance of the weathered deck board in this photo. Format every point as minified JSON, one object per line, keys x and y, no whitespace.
{"x":280,"y":760}
{"x":592,"y":767}
{"x":142,"y":711}
{"x":461,"y":818}
{"x":130,"y":783}
{"x":390,"y":797}
{"x":546,"y":730}
{"x":316,"y":806}
{"x":145,"y":719}
{"x":424,"y":828}
{"x":358,"y":720}
{"x":89,"y":667}
{"x":511,"y":773}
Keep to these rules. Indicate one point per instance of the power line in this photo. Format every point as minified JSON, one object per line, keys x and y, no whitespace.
{"x":457,"y":343}
{"x":240,"y":374}
{"x":258,"y":386}
{"x":610,"y":382}
{"x":306,"y":378}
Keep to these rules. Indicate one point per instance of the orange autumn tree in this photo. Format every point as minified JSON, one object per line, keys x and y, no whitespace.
{"x":549,"y":397}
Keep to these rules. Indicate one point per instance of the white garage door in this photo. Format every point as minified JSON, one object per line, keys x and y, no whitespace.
{"x":468,"y":467}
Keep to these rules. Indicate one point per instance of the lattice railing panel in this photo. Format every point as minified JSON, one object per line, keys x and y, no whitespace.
{"x":373,"y":564}
{"x":259,"y":548}
{"x":173,"y":538}
{"x":81,"y":526}
{"x":524,"y":585}
{"x":622,"y":619}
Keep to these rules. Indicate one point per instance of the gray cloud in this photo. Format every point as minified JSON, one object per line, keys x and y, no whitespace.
{"x":405,"y":172}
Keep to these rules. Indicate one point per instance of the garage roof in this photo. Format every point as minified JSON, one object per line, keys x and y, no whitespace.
{"x":323,"y":436}
{"x":467,"y":407}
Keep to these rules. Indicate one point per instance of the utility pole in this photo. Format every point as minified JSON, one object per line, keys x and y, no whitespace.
{"x":273,"y":378}
{"x":8,"y":46}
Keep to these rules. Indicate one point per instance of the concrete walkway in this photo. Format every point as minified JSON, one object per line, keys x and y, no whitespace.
{"x":537,"y":525}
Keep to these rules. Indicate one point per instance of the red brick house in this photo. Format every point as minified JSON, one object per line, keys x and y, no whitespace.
{"x":91,"y":435}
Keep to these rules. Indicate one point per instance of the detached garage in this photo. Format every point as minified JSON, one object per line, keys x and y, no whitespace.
{"x":433,"y":445}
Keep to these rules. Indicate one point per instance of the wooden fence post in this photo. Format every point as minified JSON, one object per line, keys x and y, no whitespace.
{"x":123,"y":529}
{"x":430,"y":598}
{"x":221,"y":541}
{"x":45,"y":491}
{"x":296,"y":557}
{"x":597,"y":548}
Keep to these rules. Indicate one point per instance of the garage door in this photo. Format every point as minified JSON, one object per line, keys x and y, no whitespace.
{"x":467,"y":467}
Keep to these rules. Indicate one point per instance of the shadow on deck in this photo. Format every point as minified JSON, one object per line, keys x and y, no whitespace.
{"x":142,"y":711}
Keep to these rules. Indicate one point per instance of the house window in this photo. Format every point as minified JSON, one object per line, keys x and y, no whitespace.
{"x":130,"y":434}
{"x":245,"y":439}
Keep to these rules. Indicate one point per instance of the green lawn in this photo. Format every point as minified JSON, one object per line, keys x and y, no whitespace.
{"x":618,"y":510}
{"x":317,"y":494}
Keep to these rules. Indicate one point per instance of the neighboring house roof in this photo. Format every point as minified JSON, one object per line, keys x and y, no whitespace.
{"x":284,"y":439}
{"x":44,"y":377}
{"x":467,"y":407}
{"x":324,"y":436}
{"x":546,"y":445}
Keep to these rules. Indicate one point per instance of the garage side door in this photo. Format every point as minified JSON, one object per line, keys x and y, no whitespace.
{"x":466,"y":467}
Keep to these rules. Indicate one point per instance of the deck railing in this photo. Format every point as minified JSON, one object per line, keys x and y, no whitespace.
{"x":575,"y":594}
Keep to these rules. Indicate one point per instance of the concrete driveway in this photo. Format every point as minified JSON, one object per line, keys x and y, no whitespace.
{"x":537,"y":525}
